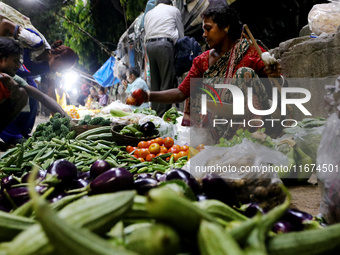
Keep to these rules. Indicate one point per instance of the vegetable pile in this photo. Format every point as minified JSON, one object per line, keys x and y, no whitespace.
{"x":148,"y":129}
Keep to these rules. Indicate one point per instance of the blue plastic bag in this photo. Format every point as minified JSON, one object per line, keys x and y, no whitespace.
{"x":105,"y":75}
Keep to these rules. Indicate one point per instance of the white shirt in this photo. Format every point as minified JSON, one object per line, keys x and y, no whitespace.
{"x":163,"y":21}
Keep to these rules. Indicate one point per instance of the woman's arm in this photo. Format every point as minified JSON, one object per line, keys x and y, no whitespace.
{"x":167,"y":96}
{"x":7,"y":28}
{"x":48,"y":102}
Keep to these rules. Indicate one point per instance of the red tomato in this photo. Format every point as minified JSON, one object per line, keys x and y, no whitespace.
{"x":141,"y":159}
{"x":164,"y":149}
{"x":154,"y":148}
{"x":167,"y":159}
{"x":184,"y":148}
{"x":182,"y":154}
{"x":136,"y":152}
{"x":161,"y":153}
{"x":142,"y":145}
{"x":132,"y":149}
{"x":150,"y":142}
{"x":150,"y":157}
{"x":159,"y":140}
{"x":142,"y":153}
{"x":168,"y":142}
{"x":173,"y":149}
{"x":175,"y":155}
{"x":200,"y":147}
{"x":134,"y":156}
{"x":128,"y":148}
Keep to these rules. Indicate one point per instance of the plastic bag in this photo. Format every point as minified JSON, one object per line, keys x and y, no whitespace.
{"x":116,"y":104}
{"x":308,"y":140}
{"x":105,"y":75}
{"x":324,"y":18}
{"x":245,"y":167}
{"x":328,"y":161}
{"x":165,"y":129}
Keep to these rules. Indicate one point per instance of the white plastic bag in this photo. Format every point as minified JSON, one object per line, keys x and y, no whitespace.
{"x":165,"y":129}
{"x":246,"y":167}
{"x":118,"y":105}
{"x":324,"y":18}
{"x":328,"y":161}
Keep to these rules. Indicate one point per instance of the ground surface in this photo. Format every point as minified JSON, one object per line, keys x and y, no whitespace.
{"x":304,"y":197}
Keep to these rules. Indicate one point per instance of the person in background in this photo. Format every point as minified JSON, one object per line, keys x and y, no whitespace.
{"x":230,"y":58}
{"x":38,"y":58}
{"x":135,"y":82}
{"x":103,"y":97}
{"x":14,"y":90}
{"x":84,"y":93}
{"x":163,"y":27}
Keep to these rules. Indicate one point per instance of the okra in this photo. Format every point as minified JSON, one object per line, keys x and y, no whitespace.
{"x":105,"y":129}
{"x":46,"y":156}
{"x":85,"y":145}
{"x":106,"y":154}
{"x":142,"y":170}
{"x":41,"y":152}
{"x":9,"y":152}
{"x":79,"y":148}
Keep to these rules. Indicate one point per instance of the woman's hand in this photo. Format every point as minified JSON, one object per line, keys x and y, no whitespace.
{"x":8,"y":81}
{"x":137,"y":97}
{"x":274,"y":70}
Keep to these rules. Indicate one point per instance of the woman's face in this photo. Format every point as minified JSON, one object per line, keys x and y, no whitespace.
{"x":130,"y":77}
{"x":213,"y":35}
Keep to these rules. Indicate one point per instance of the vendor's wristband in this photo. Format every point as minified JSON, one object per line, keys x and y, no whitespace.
{"x":283,"y":80}
{"x":16,"y":32}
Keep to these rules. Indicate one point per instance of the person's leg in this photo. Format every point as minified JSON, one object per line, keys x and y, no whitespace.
{"x":25,"y":121}
{"x":12,"y":107}
{"x":159,"y":61}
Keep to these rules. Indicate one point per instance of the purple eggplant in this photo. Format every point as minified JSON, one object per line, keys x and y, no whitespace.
{"x":115,"y":179}
{"x":7,"y":182}
{"x":78,"y":184}
{"x":61,"y":171}
{"x":84,"y":175}
{"x":143,"y":175}
{"x":148,"y":128}
{"x":40,"y":176}
{"x":160,"y":177}
{"x":58,"y":197}
{"x":254,"y":208}
{"x":201,"y":197}
{"x":179,"y":174}
{"x":283,"y":226}
{"x":214,"y":187}
{"x":296,"y":218}
{"x":144,"y":185}
{"x":98,"y":167}
{"x":19,"y":195}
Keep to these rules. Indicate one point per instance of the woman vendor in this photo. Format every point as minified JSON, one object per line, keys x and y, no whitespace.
{"x":39,"y":58}
{"x":230,"y":57}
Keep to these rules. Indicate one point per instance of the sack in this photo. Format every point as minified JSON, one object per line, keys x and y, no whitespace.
{"x":245,"y":167}
{"x":328,"y":162}
{"x":187,"y":48}
{"x":324,"y":18}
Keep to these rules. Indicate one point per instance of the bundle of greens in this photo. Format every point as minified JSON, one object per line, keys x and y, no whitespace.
{"x":257,"y":137}
{"x":57,"y":127}
{"x":88,"y":120}
{"x":145,"y":111}
{"x":171,"y":115}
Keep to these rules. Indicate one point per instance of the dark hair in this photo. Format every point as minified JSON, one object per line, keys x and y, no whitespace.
{"x":223,"y":17}
{"x":68,"y":56}
{"x":135,"y":71}
{"x":102,"y":89}
{"x":9,"y":46}
{"x":169,"y":2}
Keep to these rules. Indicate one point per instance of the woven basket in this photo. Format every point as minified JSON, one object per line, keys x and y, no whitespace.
{"x":125,"y":139}
{"x":82,"y":128}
